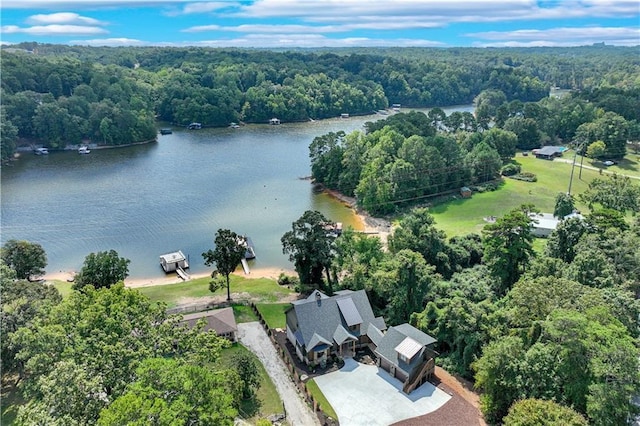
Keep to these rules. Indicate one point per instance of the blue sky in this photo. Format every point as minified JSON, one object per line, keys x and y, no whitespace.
{"x":320,"y":23}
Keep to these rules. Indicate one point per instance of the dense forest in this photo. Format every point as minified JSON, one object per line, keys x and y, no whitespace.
{"x":63,"y":95}
{"x":542,"y":330}
{"x":408,"y":158}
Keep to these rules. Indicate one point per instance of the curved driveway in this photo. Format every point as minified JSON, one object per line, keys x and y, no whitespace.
{"x":253,"y":336}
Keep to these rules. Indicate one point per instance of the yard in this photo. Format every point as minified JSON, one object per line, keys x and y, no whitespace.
{"x":261,"y":289}
{"x":467,"y":215}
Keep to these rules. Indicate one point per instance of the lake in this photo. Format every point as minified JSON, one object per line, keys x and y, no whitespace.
{"x":173,"y":194}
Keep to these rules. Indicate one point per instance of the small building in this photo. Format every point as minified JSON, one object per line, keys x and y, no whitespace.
{"x":194,"y":126}
{"x":344,"y":115}
{"x":274,"y":121}
{"x":543,"y":224}
{"x":549,"y":152}
{"x":170,"y":262}
{"x":407,"y":354}
{"x":223,"y":321}
{"x":465,"y":192}
{"x":395,"y":107}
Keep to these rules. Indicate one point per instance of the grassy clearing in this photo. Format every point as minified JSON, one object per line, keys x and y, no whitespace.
{"x":313,"y":388}
{"x":263,"y":289}
{"x":244,"y":313}
{"x":63,"y":287}
{"x":267,"y":400}
{"x":273,"y":314}
{"x":463,"y":216}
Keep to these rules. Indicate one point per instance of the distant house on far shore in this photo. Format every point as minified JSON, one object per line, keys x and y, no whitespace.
{"x":549,"y":152}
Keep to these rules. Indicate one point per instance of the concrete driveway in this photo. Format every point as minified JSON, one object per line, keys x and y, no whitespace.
{"x":367,"y":395}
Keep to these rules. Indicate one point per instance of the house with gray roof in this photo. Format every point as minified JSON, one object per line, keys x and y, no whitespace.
{"x":320,"y":326}
{"x":222,"y":321}
{"x":407,"y":354}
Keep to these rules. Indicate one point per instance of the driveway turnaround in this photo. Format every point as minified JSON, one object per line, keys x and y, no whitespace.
{"x":367,"y":395}
{"x":253,"y":336}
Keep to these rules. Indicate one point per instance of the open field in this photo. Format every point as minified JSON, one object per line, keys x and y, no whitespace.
{"x":463,"y":216}
{"x":258,"y":289}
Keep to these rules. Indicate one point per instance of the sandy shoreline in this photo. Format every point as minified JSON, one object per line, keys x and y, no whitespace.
{"x":272,"y":273}
{"x":368,"y":225}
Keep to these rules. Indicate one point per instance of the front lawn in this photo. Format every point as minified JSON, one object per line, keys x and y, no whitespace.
{"x":317,"y":394}
{"x":273,"y":314}
{"x":263,"y":289}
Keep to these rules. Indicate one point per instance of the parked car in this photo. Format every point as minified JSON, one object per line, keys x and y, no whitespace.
{"x":609,"y":163}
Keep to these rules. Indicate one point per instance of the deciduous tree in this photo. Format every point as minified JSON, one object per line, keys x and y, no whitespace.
{"x":311,"y":248}
{"x":102,"y":269}
{"x":227,"y":255}
{"x":25,"y":258}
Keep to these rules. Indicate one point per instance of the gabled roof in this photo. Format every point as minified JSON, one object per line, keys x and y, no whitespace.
{"x":330,"y":317}
{"x":174,"y":257}
{"x":396,"y":338}
{"x":221,"y":320}
{"x":349,"y":311}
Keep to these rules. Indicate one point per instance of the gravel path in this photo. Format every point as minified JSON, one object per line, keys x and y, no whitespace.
{"x":253,"y":336}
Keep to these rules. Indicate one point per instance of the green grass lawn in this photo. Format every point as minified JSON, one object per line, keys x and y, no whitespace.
{"x":463,"y":216}
{"x":63,"y":287}
{"x":244,"y":313}
{"x":263,"y":289}
{"x":269,"y":401}
{"x":313,"y":388}
{"x":273,"y":314}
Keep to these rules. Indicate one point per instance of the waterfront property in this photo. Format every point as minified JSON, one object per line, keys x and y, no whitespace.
{"x":274,"y":121}
{"x":194,"y":126}
{"x":223,"y":321}
{"x":171,"y":262}
{"x":320,"y":326}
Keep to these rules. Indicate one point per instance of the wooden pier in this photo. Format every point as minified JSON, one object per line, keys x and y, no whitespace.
{"x":245,"y":266}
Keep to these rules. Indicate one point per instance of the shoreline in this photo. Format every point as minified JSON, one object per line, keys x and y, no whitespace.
{"x":370,"y":224}
{"x":269,"y":273}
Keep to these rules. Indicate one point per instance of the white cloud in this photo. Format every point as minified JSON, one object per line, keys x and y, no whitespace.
{"x":315,"y":29}
{"x":53,"y":30}
{"x":85,"y":4}
{"x":560,"y":36}
{"x":62,"y":18}
{"x":110,"y":42}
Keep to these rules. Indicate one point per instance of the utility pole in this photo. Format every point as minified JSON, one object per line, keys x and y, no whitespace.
{"x":573,"y":165}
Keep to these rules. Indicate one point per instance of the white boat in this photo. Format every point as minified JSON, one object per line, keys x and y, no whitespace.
{"x":84,"y":150}
{"x":41,"y":151}
{"x":234,"y":125}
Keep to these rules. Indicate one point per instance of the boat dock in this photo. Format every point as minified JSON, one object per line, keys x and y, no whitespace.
{"x":245,"y":266}
{"x":182,"y":274}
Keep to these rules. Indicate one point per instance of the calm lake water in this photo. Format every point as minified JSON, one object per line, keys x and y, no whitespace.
{"x":147,"y":200}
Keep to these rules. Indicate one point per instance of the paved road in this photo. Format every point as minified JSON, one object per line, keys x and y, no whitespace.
{"x":253,"y":336}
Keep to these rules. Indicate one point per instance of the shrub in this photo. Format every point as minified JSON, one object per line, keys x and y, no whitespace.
{"x":284,"y":279}
{"x":525,"y":176}
{"x":510,"y":169}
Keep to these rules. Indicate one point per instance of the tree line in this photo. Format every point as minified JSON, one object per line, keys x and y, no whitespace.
{"x":59,"y":95}
{"x":407,"y":157}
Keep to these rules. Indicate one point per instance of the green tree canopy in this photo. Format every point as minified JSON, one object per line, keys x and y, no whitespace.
{"x":508,"y":246}
{"x":539,"y":412}
{"x":102,"y":269}
{"x":229,"y":251}
{"x":311,"y":248}
{"x":25,"y":258}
